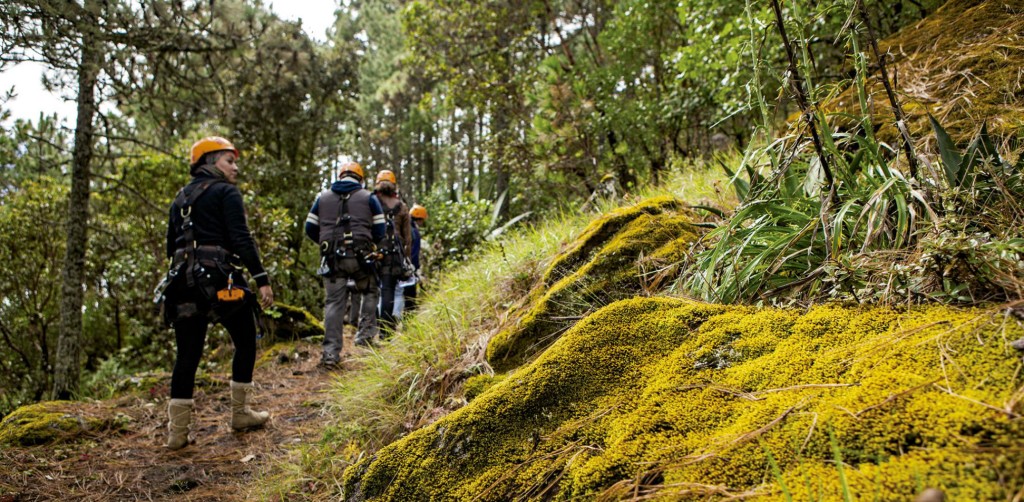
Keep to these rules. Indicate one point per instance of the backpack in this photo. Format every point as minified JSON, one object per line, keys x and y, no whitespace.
{"x":394,"y":261}
{"x":345,"y":255}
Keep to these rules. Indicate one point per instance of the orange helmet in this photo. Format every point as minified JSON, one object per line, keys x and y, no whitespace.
{"x":351,"y":167}
{"x":386,"y":175}
{"x":419,"y":212}
{"x":207,"y":145}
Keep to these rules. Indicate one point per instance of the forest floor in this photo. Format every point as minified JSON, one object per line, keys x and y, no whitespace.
{"x":130,"y":463}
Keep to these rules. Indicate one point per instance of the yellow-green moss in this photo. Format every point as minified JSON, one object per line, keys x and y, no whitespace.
{"x":279,"y":352}
{"x":600,"y":230}
{"x":286,"y":322}
{"x":477,"y":384}
{"x":677,"y":399}
{"x":605,"y":264}
{"x":48,"y":422}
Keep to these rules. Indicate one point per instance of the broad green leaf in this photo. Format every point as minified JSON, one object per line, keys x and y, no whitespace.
{"x":952,"y":162}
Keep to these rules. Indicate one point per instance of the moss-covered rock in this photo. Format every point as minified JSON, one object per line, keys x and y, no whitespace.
{"x":50,"y":422}
{"x":477,"y":384}
{"x":672,"y":399}
{"x":606,"y":263}
{"x":286,"y":322}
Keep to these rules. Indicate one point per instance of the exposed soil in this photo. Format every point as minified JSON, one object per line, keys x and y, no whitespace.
{"x":132,"y":464}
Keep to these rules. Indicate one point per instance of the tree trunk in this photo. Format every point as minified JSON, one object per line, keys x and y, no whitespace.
{"x":502,"y":179}
{"x":428,"y":160}
{"x":501,"y":124}
{"x":66,"y":363}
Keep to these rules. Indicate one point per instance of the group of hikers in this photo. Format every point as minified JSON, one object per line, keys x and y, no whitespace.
{"x":369,"y":255}
{"x":369,"y":262}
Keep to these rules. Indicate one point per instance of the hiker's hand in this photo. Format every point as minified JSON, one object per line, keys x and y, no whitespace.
{"x":266,"y":296}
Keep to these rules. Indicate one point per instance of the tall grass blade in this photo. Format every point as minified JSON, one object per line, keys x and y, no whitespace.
{"x":777,"y":472}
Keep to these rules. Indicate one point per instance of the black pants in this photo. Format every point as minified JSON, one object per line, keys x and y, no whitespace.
{"x":388,"y":283}
{"x":191,"y":338}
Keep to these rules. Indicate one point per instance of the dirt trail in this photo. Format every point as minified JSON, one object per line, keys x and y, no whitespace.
{"x":131,"y":464}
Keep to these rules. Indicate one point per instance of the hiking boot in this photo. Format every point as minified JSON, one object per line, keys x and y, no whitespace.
{"x":241,"y":416}
{"x":364,"y":342}
{"x":179,"y":415}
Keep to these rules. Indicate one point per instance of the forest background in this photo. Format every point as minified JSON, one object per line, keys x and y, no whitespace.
{"x":490,"y":112}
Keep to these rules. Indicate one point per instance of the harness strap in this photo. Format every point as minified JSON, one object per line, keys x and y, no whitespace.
{"x":344,"y":221}
{"x":389,"y":214}
{"x":185,"y":201}
{"x":391,"y":236}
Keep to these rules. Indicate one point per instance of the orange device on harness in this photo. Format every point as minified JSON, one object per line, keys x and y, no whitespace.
{"x":230,"y":293}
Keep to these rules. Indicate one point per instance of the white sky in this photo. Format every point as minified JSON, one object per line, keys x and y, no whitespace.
{"x":26,"y":78}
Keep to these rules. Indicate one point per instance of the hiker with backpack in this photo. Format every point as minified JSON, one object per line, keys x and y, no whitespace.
{"x":394,"y":265}
{"x":409,"y":293}
{"x":346,"y":221}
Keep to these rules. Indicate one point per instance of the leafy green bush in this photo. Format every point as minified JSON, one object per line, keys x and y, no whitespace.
{"x":453,"y":231}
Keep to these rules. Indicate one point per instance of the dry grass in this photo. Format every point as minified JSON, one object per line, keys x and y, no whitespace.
{"x":964,"y":64}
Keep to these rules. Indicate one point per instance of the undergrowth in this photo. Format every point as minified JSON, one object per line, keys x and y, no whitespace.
{"x":418,"y":376}
{"x":829,"y":211}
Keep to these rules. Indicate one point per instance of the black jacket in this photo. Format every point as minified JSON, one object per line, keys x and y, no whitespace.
{"x":219,"y":219}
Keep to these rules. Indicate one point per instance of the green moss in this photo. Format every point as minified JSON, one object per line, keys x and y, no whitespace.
{"x":49,"y":422}
{"x":605,"y":264}
{"x":600,"y":230}
{"x":286,"y":322}
{"x":673,"y":399}
{"x":281,"y":352}
{"x":477,"y":384}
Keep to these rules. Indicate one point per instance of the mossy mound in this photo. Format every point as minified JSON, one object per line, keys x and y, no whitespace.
{"x":51,"y":422}
{"x":668,"y":399}
{"x":477,"y":384}
{"x":286,"y":322}
{"x":606,"y":263}
{"x":961,"y":65}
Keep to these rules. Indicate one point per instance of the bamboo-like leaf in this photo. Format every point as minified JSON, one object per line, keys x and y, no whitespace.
{"x":981,"y":150}
{"x":815,"y":178}
{"x":740,"y":185}
{"x":952,"y":161}
{"x":932,"y":216}
{"x":713,"y":210}
{"x":496,"y":213}
{"x":839,"y":226}
{"x":903,"y":220}
{"x":854,"y":164}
